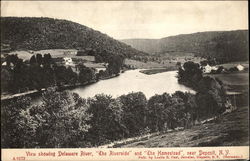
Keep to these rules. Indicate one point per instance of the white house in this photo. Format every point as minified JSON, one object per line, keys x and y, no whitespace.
{"x":68,"y":61}
{"x":100,"y":68}
{"x":240,"y":67}
{"x":208,"y":68}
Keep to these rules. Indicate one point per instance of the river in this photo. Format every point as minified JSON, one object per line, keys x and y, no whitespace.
{"x":134,"y":81}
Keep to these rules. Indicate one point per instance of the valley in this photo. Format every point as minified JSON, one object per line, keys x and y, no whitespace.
{"x":74,"y":86}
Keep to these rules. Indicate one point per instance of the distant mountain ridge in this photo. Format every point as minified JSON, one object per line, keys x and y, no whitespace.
{"x":28,"y":33}
{"x":229,"y":45}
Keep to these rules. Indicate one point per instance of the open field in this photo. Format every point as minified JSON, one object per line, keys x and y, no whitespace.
{"x":158,"y":70}
{"x":58,"y":53}
{"x":229,"y":130}
{"x":233,"y":64}
{"x":148,"y":65}
{"x":234,"y":82}
{"x":25,"y":55}
{"x":55,"y":53}
{"x":237,"y":78}
{"x":94,"y":65}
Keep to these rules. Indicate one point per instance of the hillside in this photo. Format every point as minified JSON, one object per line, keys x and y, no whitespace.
{"x":219,"y":132}
{"x":223,"y":45}
{"x":47,"y":33}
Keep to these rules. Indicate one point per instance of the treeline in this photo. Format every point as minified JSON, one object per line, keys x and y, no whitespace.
{"x":42,"y":72}
{"x":210,"y":91}
{"x":65,"y":120}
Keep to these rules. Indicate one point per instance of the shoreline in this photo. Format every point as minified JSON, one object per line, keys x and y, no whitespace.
{"x":58,"y":88}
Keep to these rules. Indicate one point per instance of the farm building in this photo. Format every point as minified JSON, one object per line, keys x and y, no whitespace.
{"x":208,"y":68}
{"x":68,"y":61}
{"x":240,"y":67}
{"x":99,"y":69}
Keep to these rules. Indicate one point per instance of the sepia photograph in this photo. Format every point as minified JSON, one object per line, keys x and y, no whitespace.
{"x":124,"y":74}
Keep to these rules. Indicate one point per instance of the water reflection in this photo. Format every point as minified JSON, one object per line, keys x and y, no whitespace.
{"x":134,"y":81}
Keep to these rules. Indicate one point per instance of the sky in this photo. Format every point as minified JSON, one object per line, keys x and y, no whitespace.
{"x":139,"y":19}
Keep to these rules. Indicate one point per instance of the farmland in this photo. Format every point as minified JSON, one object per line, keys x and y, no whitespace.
{"x":167,"y":61}
{"x":59,"y":53}
{"x":235,"y":81}
{"x":158,"y":70}
{"x":233,"y":78}
{"x":233,"y":64}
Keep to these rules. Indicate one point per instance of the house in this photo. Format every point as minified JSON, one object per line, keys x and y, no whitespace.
{"x":4,"y":63}
{"x":208,"y":68}
{"x":240,"y":67}
{"x":68,"y":61}
{"x":99,"y":69}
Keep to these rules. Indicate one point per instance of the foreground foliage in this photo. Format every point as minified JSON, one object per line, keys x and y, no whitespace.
{"x":65,"y":120}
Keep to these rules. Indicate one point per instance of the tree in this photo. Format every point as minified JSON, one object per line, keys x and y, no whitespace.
{"x":47,"y":59}
{"x":155,"y":117}
{"x":86,"y":74}
{"x":115,"y":63}
{"x":134,"y":112}
{"x":106,"y":124}
{"x":6,"y":79}
{"x":210,"y":97}
{"x":190,"y":74}
{"x":18,"y":127}
{"x":39,"y":59}
{"x":62,"y":119}
{"x":98,"y":107}
{"x":71,"y":76}
{"x":12,"y":59}
{"x":33,"y":60}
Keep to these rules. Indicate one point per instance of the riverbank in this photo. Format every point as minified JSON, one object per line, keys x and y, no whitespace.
{"x":158,"y":70}
{"x":59,"y":88}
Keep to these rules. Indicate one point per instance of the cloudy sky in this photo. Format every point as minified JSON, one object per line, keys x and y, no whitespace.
{"x":139,"y":19}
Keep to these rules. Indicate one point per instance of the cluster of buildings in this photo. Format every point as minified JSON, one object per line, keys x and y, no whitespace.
{"x":209,"y":69}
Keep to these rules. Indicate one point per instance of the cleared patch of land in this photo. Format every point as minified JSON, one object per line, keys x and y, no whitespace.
{"x":145,"y":65}
{"x":168,"y":61}
{"x":158,"y":70}
{"x":234,"y":64}
{"x":229,"y":130}
{"x":238,"y":78}
{"x":94,"y":65}
{"x":25,"y":55}
{"x":59,"y":53}
{"x":234,"y":82}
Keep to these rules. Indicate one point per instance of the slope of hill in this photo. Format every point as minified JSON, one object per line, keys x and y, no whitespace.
{"x":226,"y":45}
{"x":229,"y":130}
{"x":47,"y":33}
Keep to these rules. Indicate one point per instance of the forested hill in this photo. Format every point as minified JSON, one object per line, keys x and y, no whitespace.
{"x":227,"y":45}
{"x":47,"y":33}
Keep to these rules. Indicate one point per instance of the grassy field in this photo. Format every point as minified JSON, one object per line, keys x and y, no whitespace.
{"x":55,"y":53}
{"x":238,"y":78}
{"x":25,"y":55}
{"x":148,"y":65}
{"x":229,"y":130}
{"x":235,"y":81}
{"x":233,"y":64}
{"x":158,"y":70}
